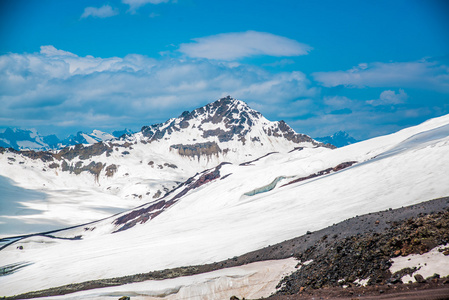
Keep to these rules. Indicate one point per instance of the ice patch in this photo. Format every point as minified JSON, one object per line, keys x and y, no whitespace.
{"x":251,"y":281}
{"x":265,"y":188}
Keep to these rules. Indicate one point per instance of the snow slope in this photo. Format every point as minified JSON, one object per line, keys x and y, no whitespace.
{"x":82,"y":184}
{"x":210,"y":218}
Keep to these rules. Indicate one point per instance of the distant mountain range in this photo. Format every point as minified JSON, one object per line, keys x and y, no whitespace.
{"x":23,"y":139}
{"x":338,"y":139}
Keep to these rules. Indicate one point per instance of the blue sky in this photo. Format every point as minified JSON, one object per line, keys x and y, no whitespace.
{"x":367,"y":67}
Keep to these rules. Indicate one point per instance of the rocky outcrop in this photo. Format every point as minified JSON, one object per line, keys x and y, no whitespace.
{"x":110,"y":170}
{"x":93,"y":168}
{"x":149,"y":212}
{"x":285,"y":131}
{"x":342,"y":262}
{"x":141,"y":215}
{"x":197,"y":150}
{"x":45,"y":156}
{"x":337,"y":168}
{"x":84,"y":152}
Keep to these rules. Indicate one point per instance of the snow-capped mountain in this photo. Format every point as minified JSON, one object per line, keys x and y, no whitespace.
{"x":85,"y":138}
{"x":107,"y":177}
{"x":20,"y":139}
{"x":234,"y":208}
{"x":338,"y":139}
{"x":119,"y":133}
{"x":27,"y":139}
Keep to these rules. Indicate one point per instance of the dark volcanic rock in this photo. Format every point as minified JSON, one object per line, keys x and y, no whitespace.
{"x":419,"y":278}
{"x":368,"y":255}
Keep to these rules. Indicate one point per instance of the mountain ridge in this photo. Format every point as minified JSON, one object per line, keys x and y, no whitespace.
{"x":338,"y":139}
{"x":236,"y":117}
{"x":30,"y":139}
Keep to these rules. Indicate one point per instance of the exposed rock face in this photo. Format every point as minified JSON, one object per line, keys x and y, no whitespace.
{"x":337,"y":168}
{"x":226,"y":119}
{"x":93,"y":168}
{"x":42,"y":155}
{"x":144,"y":214}
{"x":84,"y":152}
{"x":288,"y":133}
{"x":53,"y":165}
{"x":110,"y":170}
{"x":199,"y":149}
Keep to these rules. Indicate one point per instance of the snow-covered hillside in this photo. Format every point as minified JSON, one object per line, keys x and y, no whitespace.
{"x":82,"y":183}
{"x":234,"y":208}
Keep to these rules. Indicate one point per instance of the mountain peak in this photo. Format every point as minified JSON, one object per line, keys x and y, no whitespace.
{"x":224,"y":110}
{"x":338,"y":139}
{"x":224,"y":120}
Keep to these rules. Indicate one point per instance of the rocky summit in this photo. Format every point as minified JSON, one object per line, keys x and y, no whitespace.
{"x":226,"y":120}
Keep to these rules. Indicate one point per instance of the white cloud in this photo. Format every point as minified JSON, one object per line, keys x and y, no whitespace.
{"x":338,"y":102}
{"x":102,"y":12}
{"x":232,"y":46}
{"x":135,"y":4}
{"x":52,"y":51}
{"x":417,"y":74}
{"x":55,"y":86}
{"x":389,"y":97}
